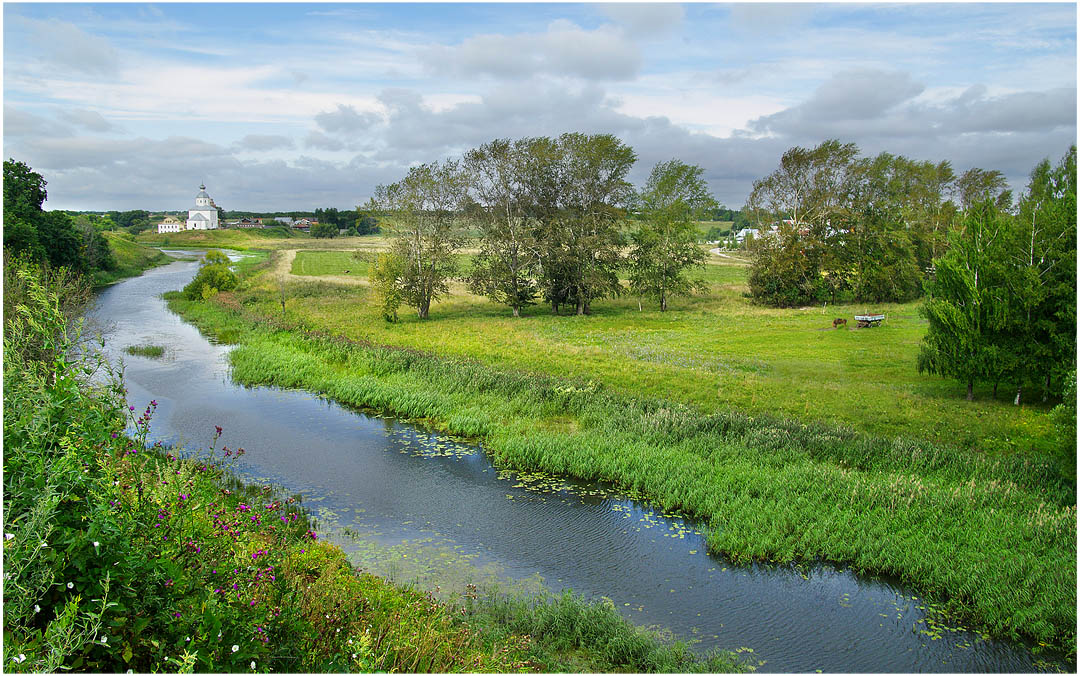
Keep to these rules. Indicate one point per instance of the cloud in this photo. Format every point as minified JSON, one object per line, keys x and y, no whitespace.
{"x":18,"y":123}
{"x":645,"y":19}
{"x":346,"y":120}
{"x":565,"y":49}
{"x":877,"y":104}
{"x":263,"y":142}
{"x":87,"y":119}
{"x":72,"y":49}
{"x":848,"y":96}
{"x":317,"y":139}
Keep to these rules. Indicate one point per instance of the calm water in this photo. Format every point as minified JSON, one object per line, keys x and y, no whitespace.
{"x":418,"y":506}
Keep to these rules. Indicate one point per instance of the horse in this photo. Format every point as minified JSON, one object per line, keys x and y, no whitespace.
{"x":838,"y":322}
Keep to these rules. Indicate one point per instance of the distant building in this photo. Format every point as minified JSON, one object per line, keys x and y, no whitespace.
{"x":249,"y":223}
{"x":304,"y":223}
{"x":204,"y":215}
{"x":170,"y":224}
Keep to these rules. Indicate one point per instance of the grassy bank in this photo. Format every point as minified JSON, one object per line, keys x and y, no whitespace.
{"x":132,"y":259}
{"x":992,"y":537}
{"x":122,"y":557}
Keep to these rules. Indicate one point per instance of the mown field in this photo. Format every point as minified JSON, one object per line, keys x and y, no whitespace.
{"x":792,"y":440}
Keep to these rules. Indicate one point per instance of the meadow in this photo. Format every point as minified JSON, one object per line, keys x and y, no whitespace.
{"x":711,"y":352}
{"x":132,"y":258}
{"x":792,"y":440}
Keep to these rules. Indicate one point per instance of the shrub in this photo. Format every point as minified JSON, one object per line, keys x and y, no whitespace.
{"x":213,"y":276}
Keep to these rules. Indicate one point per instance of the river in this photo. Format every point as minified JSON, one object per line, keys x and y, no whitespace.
{"x":420,"y":507}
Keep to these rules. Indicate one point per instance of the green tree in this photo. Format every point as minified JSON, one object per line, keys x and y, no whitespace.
{"x":665,"y":245}
{"x":967,"y":301}
{"x":387,"y":272}
{"x":979,"y":185}
{"x":582,"y":189}
{"x":42,"y":235}
{"x":1041,"y":332}
{"x":428,"y":232}
{"x":323,"y":230}
{"x":506,"y":267}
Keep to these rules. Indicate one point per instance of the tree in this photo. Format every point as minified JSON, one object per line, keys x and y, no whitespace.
{"x":1041,"y":332}
{"x":366,"y":221}
{"x":324,"y":230}
{"x":506,"y":267}
{"x":808,"y":188}
{"x":665,"y":245}
{"x":966,"y":301}
{"x":387,"y":271}
{"x":979,"y":185}
{"x":579,"y":191}
{"x":42,"y":235}
{"x":425,"y":204}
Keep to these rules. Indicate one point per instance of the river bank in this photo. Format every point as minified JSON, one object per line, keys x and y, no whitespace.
{"x":992,"y":539}
{"x":121,"y":554}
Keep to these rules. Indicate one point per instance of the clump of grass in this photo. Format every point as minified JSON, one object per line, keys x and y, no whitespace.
{"x":992,"y":538}
{"x":148,"y":351}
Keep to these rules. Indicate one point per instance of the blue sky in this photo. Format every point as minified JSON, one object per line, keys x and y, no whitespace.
{"x":296,"y":106}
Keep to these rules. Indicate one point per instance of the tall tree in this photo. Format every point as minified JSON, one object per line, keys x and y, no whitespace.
{"x":506,"y":267}
{"x":594,"y":198}
{"x":426,"y":206}
{"x":42,"y":235}
{"x":1042,"y":278}
{"x":979,"y":185}
{"x":966,"y":301}
{"x":665,"y":245}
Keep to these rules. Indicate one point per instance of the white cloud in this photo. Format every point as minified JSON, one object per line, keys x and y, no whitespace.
{"x":565,"y":49}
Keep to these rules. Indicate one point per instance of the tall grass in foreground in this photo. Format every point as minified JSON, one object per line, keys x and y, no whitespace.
{"x":119,"y":556}
{"x":993,"y":538}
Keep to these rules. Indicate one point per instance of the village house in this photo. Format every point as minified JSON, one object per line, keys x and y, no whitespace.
{"x":170,"y":224}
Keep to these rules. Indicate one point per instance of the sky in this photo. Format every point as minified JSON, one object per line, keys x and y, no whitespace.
{"x":297,"y":106}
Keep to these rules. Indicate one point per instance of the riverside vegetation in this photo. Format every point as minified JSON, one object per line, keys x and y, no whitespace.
{"x":122,"y":555}
{"x":989,"y":531}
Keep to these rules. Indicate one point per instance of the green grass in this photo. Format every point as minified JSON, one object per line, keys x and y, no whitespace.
{"x":149,"y":351}
{"x":238,"y":239}
{"x":317,"y":263}
{"x":132,"y":258}
{"x":714,"y":352}
{"x":992,"y":537}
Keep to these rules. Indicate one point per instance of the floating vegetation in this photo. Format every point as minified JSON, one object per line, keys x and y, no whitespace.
{"x":148,"y":351}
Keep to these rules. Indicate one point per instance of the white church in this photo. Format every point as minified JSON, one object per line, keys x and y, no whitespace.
{"x":204,"y":216}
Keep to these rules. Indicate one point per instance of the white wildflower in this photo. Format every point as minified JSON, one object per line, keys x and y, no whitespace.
{"x":253,"y":665}
{"x":71,"y":585}
{"x":104,"y":640}
{"x":37,"y":608}
{"x":235,"y":647}
{"x":9,"y":536}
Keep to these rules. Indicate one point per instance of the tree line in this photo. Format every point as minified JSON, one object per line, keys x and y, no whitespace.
{"x":49,"y":237}
{"x":1001,"y":303}
{"x":549,"y":216}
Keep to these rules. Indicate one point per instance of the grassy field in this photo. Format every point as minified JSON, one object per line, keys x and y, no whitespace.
{"x":713,"y":352}
{"x":132,"y":258}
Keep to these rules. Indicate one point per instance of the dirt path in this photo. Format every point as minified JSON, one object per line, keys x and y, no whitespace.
{"x":737,"y":261}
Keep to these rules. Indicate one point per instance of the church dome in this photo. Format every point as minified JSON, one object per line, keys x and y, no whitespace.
{"x":202,"y":192}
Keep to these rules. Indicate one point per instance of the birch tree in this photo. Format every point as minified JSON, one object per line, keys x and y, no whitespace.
{"x":426,"y":207}
{"x":665,"y":244}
